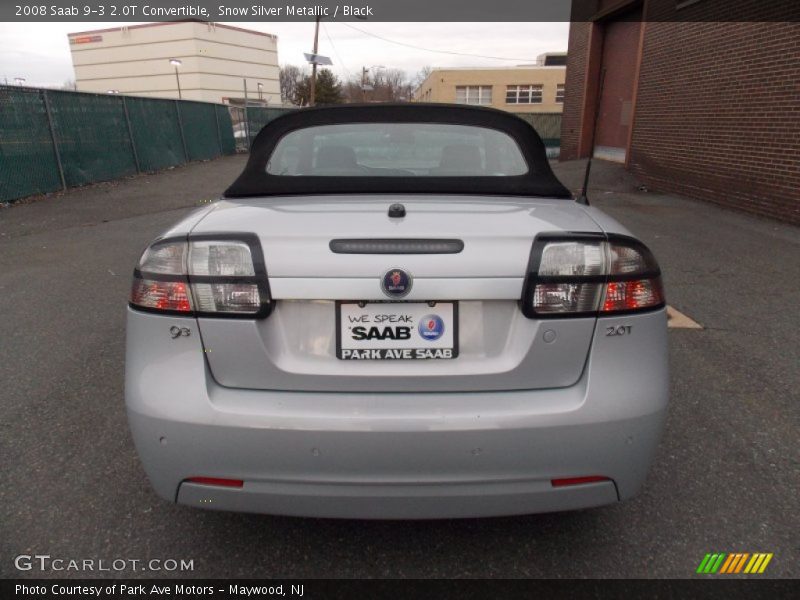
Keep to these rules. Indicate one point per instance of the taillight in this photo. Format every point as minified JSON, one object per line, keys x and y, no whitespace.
{"x":208,"y":275}
{"x":590,"y":274}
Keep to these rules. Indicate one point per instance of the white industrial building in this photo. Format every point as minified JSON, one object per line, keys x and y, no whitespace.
{"x":212,"y":62}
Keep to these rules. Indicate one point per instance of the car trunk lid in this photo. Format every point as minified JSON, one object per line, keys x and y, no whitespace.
{"x":296,"y":347}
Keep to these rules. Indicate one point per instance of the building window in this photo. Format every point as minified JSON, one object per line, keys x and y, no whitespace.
{"x":474,"y":94}
{"x":560,"y":93}
{"x":524,"y":94}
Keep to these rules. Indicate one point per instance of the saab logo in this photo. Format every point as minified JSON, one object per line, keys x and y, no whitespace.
{"x":376,"y":333}
{"x":728,"y":564}
{"x":396,"y":283}
{"x":431,"y":327}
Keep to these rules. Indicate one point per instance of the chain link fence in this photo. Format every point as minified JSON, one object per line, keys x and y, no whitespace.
{"x":52,"y":139}
{"x":28,"y":164}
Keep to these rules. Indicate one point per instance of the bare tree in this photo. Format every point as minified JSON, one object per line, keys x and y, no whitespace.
{"x":379,"y":85}
{"x":395,"y":85}
{"x":422,"y":75}
{"x":290,"y":76}
{"x":352,"y":91}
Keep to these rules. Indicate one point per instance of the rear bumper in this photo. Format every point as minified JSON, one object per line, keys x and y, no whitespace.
{"x":405,"y":501}
{"x":411,"y":474}
{"x":396,"y":455}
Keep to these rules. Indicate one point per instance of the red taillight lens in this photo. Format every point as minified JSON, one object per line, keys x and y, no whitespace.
{"x":161,"y":295}
{"x":235,"y":483}
{"x":637,"y":294}
{"x":577,"y":480}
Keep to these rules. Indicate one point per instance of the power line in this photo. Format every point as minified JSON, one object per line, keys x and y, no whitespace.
{"x":335,"y":51}
{"x":453,"y":52}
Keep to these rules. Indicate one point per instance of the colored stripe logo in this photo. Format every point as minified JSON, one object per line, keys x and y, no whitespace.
{"x":733,"y":563}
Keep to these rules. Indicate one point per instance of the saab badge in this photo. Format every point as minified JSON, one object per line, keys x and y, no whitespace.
{"x":431,"y":327}
{"x":396,"y":283}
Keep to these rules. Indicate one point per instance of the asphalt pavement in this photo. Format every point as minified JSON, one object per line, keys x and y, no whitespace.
{"x":726,"y":477}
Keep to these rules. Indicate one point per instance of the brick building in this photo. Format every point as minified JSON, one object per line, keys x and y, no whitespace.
{"x":690,"y":103}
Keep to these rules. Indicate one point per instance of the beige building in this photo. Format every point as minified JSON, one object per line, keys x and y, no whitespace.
{"x":212,"y":62}
{"x":529,"y":89}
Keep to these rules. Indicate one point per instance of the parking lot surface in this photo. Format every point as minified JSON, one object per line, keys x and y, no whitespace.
{"x":726,"y":477}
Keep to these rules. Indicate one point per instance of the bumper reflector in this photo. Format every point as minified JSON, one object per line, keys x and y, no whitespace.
{"x":237,"y":483}
{"x":577,"y":480}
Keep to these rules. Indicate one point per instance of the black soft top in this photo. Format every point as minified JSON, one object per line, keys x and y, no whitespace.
{"x":538,"y":181}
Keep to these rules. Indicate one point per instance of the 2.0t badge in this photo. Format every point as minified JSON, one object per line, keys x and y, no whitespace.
{"x":396,"y":283}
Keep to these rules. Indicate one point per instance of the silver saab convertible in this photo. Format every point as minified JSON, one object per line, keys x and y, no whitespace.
{"x":396,"y":311}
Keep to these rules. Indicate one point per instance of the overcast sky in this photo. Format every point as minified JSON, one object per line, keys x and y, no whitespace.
{"x":39,"y":52}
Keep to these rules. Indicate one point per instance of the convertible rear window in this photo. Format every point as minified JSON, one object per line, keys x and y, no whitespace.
{"x":396,"y":150}
{"x":405,"y":148}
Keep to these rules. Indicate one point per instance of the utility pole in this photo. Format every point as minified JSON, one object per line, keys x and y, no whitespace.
{"x":313,"y":92}
{"x":366,"y":87}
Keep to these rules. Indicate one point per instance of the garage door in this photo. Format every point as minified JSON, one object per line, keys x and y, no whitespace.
{"x":620,"y":49}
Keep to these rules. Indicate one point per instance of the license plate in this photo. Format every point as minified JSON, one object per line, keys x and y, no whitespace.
{"x":396,"y":330}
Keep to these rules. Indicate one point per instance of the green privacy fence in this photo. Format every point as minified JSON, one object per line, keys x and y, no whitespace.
{"x":28,"y":164}
{"x":92,"y":137}
{"x":51,"y":140}
{"x":156,"y":133}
